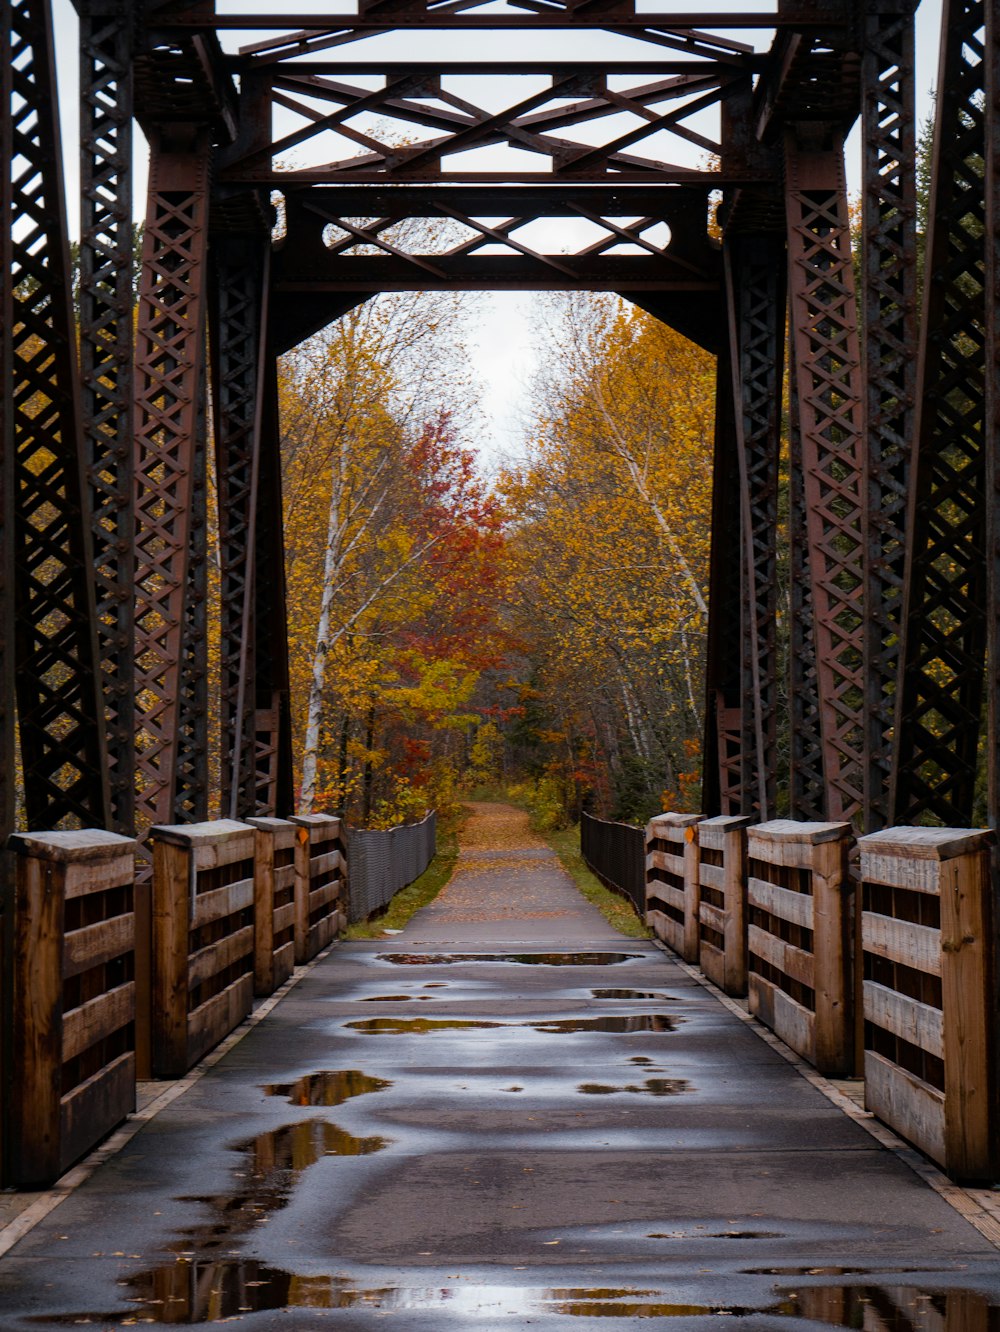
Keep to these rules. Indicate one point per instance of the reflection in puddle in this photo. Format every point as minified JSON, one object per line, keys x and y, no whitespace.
{"x":208,"y":1292}
{"x":718,"y":1234}
{"x":651,"y":1087}
{"x":274,"y":1162}
{"x":634,"y":994}
{"x":392,"y":1026}
{"x":522,"y":959}
{"x":327,"y":1088}
{"x":388,"y":999}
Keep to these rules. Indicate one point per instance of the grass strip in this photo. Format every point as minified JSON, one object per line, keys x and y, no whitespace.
{"x":415,"y":895}
{"x":617,"y":911}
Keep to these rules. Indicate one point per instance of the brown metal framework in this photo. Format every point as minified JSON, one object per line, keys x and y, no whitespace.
{"x":692,"y":162}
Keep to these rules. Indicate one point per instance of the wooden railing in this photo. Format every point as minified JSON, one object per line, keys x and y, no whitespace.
{"x":797,"y":942}
{"x":672,"y":892}
{"x":276,"y":883}
{"x":203,"y":938}
{"x":722,"y":919}
{"x":926,"y":937}
{"x":321,"y":897}
{"x":69,"y":1028}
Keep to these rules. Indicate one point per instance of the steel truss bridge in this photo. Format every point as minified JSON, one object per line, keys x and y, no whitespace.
{"x":727,"y":127}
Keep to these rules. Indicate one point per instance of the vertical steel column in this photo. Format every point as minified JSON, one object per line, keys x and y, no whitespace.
{"x":722,"y":761}
{"x":48,"y":554}
{"x":275,"y":793}
{"x":756,"y":294}
{"x":807,"y":789}
{"x":106,"y":312}
{"x":828,"y":380}
{"x":889,"y":208}
{"x":170,"y":357}
{"x":992,"y":196}
{"x":239,"y":333}
{"x":940,"y":695}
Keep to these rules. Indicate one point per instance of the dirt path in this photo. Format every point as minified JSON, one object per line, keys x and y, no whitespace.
{"x":493,"y":826}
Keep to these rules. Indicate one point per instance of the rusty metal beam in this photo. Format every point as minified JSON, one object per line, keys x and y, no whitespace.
{"x":48,"y":554}
{"x":940,"y":695}
{"x":830,"y":394}
{"x":106,"y":318}
{"x":169,"y":378}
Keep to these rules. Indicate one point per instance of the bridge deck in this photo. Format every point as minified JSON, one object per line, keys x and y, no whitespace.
{"x":505,"y":1117}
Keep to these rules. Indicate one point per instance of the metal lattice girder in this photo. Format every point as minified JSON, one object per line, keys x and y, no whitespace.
{"x":828,"y":382}
{"x":239,"y":324}
{"x":722,"y":761}
{"x":106,"y":317}
{"x":191,"y":787}
{"x":807,"y":787}
{"x":170,"y":357}
{"x":992,"y":196}
{"x":273,"y":696}
{"x":756,"y":300}
{"x":944,"y":632}
{"x":889,"y":206}
{"x":47,"y":569}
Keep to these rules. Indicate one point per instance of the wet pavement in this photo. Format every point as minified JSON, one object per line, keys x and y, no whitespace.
{"x":568,"y":1130}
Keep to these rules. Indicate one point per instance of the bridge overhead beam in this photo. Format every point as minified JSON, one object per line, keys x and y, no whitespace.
{"x":49,"y":647}
{"x":946,"y":616}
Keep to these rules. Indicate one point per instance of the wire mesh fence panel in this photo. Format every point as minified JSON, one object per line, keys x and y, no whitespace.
{"x":616,"y":853}
{"x":383,"y":861}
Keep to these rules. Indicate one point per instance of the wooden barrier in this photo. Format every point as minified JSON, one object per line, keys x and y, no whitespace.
{"x":321,"y":892}
{"x":672,"y":893}
{"x":722,"y":889}
{"x":926,"y":938}
{"x":69,"y":1014}
{"x":275,"y":912}
{"x":203,"y":938}
{"x":799,"y":911}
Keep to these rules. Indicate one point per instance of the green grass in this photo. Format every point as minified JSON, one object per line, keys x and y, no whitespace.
{"x":414,"y":895}
{"x":617,"y":911}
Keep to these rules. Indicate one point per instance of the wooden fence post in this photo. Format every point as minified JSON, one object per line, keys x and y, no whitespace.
{"x":275,"y":909}
{"x":927,"y":936}
{"x":70,"y":1001}
{"x":722,"y":879}
{"x":672,"y":886}
{"x":321,"y":883}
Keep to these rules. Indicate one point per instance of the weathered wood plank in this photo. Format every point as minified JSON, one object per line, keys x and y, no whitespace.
{"x":93,"y":876}
{"x":796,"y":908}
{"x":917,"y":946}
{"x":793,"y":962}
{"x":713,"y":962}
{"x":920,"y":876}
{"x":90,"y":1111}
{"x":795,"y":1025}
{"x":712,"y":876}
{"x":665,"y":861}
{"x":329,"y":860}
{"x":920,"y":1024}
{"x":215,"y":957}
{"x":222,"y":902}
{"x":911,"y":1107}
{"x":284,"y":918}
{"x":666,"y":892}
{"x":96,"y":1019}
{"x":93,"y":945}
{"x":170,"y":933}
{"x":711,"y":917}
{"x":217,"y":1017}
{"x":326,"y":892}
{"x":927,"y":843}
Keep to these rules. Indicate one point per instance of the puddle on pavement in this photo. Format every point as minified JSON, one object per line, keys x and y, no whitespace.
{"x":715,"y":1234}
{"x":327,"y":1088}
{"x":388,"y":999}
{"x":391,"y":1026}
{"x":522,"y":959}
{"x":651,"y":1087}
{"x":264,"y":1184}
{"x":635,"y":994}
{"x":208,"y":1292}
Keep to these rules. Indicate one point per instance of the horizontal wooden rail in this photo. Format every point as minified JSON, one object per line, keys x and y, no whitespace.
{"x":672,"y":892}
{"x":203,"y":938}
{"x":722,"y":923}
{"x":69,"y":1008}
{"x":797,"y":938}
{"x":275,"y":909}
{"x":926,"y":936}
{"x":321,"y":893}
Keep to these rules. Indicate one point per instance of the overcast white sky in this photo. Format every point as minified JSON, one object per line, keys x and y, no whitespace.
{"x":502,"y":324}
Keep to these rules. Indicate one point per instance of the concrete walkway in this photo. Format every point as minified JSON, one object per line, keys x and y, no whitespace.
{"x":506,"y":1117}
